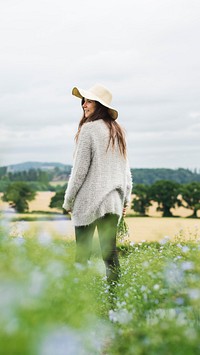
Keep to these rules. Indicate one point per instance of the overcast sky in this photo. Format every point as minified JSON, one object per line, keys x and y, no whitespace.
{"x":146,"y":52}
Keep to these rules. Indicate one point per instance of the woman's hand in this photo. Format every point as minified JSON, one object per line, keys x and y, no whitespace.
{"x":67,"y":211}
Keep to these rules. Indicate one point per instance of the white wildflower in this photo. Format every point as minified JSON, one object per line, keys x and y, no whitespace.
{"x":145,"y":264}
{"x":18,"y":240}
{"x":37,"y":281}
{"x":179,"y":301}
{"x":57,"y":269}
{"x":99,"y":266}
{"x":173,"y":275}
{"x":143,"y":288}
{"x":194,"y":293}
{"x":80,"y":266}
{"x":165,"y":240}
{"x":178,"y":257}
{"x":185,"y":249}
{"x":187,"y":265}
{"x":44,"y":238}
{"x":121,"y":316}
{"x":61,"y":341}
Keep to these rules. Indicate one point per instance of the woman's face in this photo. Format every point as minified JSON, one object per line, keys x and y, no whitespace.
{"x":89,"y":107}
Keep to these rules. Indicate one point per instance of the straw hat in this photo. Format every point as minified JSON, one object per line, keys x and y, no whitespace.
{"x":97,"y":93}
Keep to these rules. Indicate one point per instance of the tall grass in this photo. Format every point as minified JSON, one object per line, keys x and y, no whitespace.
{"x":49,"y":305}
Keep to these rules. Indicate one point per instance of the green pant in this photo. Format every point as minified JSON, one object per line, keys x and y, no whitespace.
{"x":107,"y":229}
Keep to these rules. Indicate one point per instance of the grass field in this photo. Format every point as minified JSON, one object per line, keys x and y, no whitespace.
{"x":49,"y":305}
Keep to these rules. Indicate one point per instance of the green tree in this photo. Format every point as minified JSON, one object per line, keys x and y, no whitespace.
{"x":18,"y":194}
{"x":191,"y":195}
{"x":58,"y":199}
{"x":165,"y":193}
{"x":141,"y":201}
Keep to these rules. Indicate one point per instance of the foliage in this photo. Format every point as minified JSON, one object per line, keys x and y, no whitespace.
{"x":165,"y":193}
{"x":150,"y":176}
{"x":18,"y":194}
{"x":35,"y":185}
{"x":35,"y":171}
{"x":3,"y":171}
{"x":58,"y":198}
{"x":49,"y":305}
{"x":158,"y":300}
{"x":30,"y":175}
{"x":40,"y":186}
{"x":3,"y":185}
{"x":142,"y":200}
{"x":191,"y":195}
{"x":122,"y":230}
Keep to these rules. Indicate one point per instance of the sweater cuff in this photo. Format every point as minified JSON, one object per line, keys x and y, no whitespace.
{"x":67,"y":205}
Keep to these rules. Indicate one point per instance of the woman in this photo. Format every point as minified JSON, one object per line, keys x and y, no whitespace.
{"x":100,"y":184}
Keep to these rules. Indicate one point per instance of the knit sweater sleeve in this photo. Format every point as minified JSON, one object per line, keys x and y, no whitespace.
{"x":128,"y":185}
{"x":82,"y":160}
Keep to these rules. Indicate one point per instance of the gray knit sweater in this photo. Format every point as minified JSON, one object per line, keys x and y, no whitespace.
{"x":100,"y":180}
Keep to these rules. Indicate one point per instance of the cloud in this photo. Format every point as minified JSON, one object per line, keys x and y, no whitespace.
{"x":46,"y":144}
{"x":147,"y":53}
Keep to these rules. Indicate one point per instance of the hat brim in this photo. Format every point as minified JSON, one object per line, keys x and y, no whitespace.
{"x":90,"y":96}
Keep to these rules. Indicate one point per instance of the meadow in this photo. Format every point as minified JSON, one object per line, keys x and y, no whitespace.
{"x":49,"y":305}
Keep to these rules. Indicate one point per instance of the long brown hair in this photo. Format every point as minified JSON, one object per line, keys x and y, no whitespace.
{"x":116,"y":131}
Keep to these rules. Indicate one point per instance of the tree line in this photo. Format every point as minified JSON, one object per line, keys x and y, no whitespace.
{"x":150,"y":176}
{"x":140,"y":176}
{"x":37,"y":178}
{"x":168,"y":194}
{"x":25,"y":175}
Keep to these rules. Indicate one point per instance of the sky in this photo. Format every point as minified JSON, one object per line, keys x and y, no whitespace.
{"x":146,"y":53}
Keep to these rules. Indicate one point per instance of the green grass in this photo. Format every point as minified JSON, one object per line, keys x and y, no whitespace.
{"x":49,"y":305}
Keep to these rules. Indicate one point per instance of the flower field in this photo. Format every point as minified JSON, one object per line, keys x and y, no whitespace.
{"x":49,"y":305}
